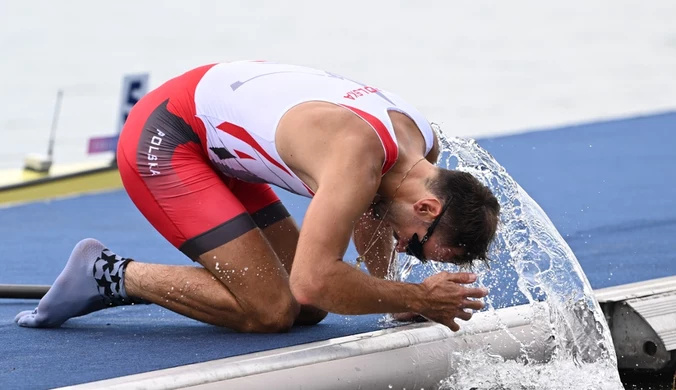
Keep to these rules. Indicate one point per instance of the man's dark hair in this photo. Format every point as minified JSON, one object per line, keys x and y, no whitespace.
{"x":472,"y":217}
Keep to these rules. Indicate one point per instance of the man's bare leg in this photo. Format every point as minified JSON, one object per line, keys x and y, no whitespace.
{"x":283,"y":237}
{"x":243,"y":286}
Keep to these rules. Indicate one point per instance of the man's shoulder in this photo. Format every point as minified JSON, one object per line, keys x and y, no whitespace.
{"x":338,"y":126}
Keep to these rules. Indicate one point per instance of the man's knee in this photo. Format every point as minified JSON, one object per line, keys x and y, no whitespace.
{"x":272,"y":317}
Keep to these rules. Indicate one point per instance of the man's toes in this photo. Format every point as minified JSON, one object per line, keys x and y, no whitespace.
{"x":32,"y":319}
{"x":23,"y":313}
{"x":26,"y":318}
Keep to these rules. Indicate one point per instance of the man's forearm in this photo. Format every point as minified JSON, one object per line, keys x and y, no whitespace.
{"x":343,"y":289}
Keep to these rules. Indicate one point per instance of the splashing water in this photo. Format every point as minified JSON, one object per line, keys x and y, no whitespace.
{"x":531,"y":263}
{"x":482,"y":371}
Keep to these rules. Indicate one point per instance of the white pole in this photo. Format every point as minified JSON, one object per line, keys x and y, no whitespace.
{"x":55,"y":120}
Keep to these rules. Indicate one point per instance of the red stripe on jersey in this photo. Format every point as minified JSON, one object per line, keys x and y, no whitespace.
{"x":243,"y":155}
{"x":244,"y":136}
{"x":309,"y":190}
{"x":390,"y":146}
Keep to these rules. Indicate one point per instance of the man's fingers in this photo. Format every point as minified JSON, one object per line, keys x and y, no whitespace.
{"x":463,"y":315}
{"x":462,"y":277}
{"x":474,"y":305}
{"x":475,"y":292}
{"x":454,"y":327}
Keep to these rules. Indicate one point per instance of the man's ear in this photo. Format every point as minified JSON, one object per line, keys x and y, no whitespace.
{"x":427,"y":208}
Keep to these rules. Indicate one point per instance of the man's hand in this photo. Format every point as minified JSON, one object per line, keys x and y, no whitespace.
{"x":447,"y":299}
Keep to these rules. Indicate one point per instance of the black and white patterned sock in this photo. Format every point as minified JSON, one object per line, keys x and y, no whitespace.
{"x":108,"y":272}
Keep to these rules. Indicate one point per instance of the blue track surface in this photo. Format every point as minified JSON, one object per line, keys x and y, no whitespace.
{"x":610,"y":188}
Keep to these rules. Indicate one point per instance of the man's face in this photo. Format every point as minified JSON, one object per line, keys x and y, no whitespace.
{"x":407,"y":222}
{"x":432,"y":249}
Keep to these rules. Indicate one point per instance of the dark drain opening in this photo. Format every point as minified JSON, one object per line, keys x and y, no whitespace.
{"x":650,"y":348}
